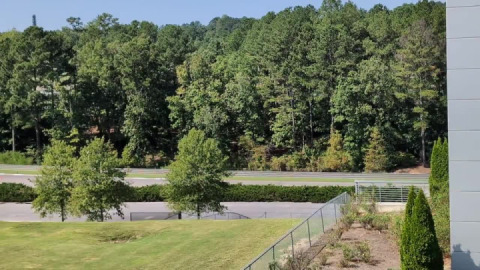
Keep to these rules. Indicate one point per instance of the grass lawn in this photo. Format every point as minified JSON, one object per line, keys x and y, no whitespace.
{"x":204,"y":244}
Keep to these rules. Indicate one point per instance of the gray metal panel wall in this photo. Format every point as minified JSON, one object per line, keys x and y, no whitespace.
{"x":463,"y":79}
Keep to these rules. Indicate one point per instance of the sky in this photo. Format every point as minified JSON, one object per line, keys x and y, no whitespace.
{"x":52,"y":14}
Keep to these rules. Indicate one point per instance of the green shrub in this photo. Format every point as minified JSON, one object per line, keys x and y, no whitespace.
{"x":438,"y":179}
{"x":15,"y":158}
{"x":404,"y":160}
{"x":441,"y":216}
{"x":259,"y":159}
{"x":422,"y":251}
{"x":278,"y":164}
{"x":14,"y":192}
{"x":380,"y":222}
{"x":271,"y":193}
{"x":359,"y":252}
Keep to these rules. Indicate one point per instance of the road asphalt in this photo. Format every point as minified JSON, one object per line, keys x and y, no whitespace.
{"x":23,"y":212}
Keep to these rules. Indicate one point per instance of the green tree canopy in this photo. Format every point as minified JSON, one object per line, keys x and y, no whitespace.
{"x":55,"y":183}
{"x":195,"y":182}
{"x":99,"y":185}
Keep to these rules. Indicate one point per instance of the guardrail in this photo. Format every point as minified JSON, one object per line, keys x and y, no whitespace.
{"x":302,"y":236}
{"x":383,"y":191}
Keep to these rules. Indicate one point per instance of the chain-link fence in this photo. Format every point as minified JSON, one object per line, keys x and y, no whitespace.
{"x":387,"y":191}
{"x":138,"y":216}
{"x":302,"y":237}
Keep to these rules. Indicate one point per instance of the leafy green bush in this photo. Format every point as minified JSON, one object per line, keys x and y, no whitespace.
{"x":14,"y":192}
{"x":404,"y":160}
{"x":259,"y":159}
{"x":15,"y":158}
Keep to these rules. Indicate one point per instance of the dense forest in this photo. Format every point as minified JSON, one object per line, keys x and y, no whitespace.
{"x":337,"y":88}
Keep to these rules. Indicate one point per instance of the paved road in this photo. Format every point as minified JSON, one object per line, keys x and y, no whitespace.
{"x":30,"y":179}
{"x":328,"y":175}
{"x":23,"y":211}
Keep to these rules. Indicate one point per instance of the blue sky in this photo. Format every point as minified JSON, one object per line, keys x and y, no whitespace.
{"x":51,"y":14}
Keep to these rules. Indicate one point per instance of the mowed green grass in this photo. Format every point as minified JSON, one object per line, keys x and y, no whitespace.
{"x":192,"y":244}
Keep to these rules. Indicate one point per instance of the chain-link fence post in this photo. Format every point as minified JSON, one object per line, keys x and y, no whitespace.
{"x":308,"y":227}
{"x":323,"y":223}
{"x":293,"y":251}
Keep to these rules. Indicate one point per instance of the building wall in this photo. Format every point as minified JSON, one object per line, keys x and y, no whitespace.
{"x":463,"y":79}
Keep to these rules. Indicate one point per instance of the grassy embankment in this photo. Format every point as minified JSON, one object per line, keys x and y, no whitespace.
{"x":204,"y":244}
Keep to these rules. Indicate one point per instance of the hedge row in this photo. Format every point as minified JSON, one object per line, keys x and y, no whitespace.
{"x":12,"y":192}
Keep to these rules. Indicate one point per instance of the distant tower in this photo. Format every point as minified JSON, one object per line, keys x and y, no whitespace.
{"x":34,"y":20}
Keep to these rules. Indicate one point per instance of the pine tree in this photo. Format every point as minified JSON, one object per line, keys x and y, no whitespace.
{"x":422,"y":249}
{"x":376,"y":159}
{"x":336,"y":158}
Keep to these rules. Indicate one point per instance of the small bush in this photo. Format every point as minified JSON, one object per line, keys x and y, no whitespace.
{"x":13,"y":192}
{"x":323,"y":259}
{"x":367,"y":220}
{"x":380,"y":222}
{"x":363,"y":252}
{"x":348,"y":253}
{"x":343,"y":263}
{"x":278,"y":164}
{"x":15,"y":158}
{"x":404,"y":160}
{"x":359,"y":252}
{"x":259,"y":159}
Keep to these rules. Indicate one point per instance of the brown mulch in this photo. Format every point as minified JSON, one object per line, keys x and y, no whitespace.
{"x":414,"y":170}
{"x":384,"y":251}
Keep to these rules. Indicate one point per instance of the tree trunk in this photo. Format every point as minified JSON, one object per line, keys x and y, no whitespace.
{"x":101,"y":215}
{"x":198,"y":211}
{"x":424,"y":158}
{"x":62,"y":211}
{"x":13,"y":138}
{"x":37,"y":138}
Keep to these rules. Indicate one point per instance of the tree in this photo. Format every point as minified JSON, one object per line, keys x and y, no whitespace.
{"x":418,"y":70}
{"x":54,"y":185}
{"x":376,"y":159}
{"x":336,"y":159}
{"x":423,"y":251}
{"x":195,"y":177}
{"x":438,"y":180}
{"x":98,"y":183}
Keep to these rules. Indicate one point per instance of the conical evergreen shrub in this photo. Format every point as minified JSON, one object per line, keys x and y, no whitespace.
{"x":376,"y":158}
{"x":422,"y":251}
{"x":405,"y":242}
{"x":438,"y":179}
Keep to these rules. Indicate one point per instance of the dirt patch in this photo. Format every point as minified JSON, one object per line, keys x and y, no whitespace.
{"x":414,"y":170}
{"x":384,"y":251}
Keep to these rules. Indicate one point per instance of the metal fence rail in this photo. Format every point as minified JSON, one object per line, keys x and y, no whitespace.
{"x":302,"y":236}
{"x":382,"y":191}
